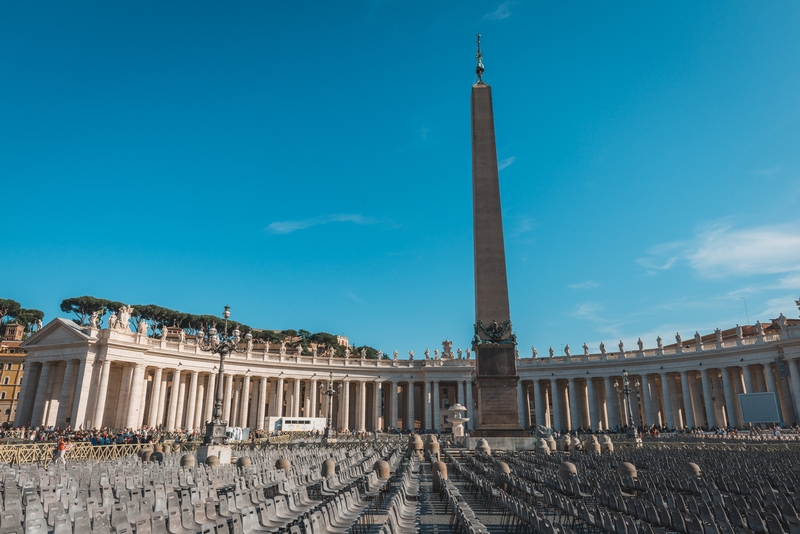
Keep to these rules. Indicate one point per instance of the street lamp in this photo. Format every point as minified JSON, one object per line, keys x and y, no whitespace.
{"x":330,"y":392}
{"x":223,"y":345}
{"x":626,"y":390}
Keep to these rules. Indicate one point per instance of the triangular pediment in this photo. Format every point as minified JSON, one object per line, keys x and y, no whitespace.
{"x":56,"y":332}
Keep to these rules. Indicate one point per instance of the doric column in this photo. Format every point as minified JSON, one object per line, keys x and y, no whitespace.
{"x":427,"y":402}
{"x":538,"y":404}
{"x":709,"y":404}
{"x":173,"y":400}
{"x":394,"y":398}
{"x":748,"y":379}
{"x":155,"y":391}
{"x":592,"y":401}
{"x":649,"y":417}
{"x":228,"y":398}
{"x":437,"y":407}
{"x":470,"y":407}
{"x":198,"y":409}
{"x":180,"y":408}
{"x":192,"y":404}
{"x":162,"y":399}
{"x":770,"y":376}
{"x":666,"y":401}
{"x":557,"y":425}
{"x":121,"y":416}
{"x":688,"y":413}
{"x":521,"y":405}
{"x":296,"y":398}
{"x":313,"y":411}
{"x":244,"y":401}
{"x":236,"y":396}
{"x":102,"y":390}
{"x":37,"y":415}
{"x":611,"y":406}
{"x":65,"y":398}
{"x":27,"y":395}
{"x":362,"y":407}
{"x":262,"y":402}
{"x":279,"y":398}
{"x":135,"y":399}
{"x":730,"y":401}
{"x":794,"y":381}
{"x":574,"y":418}
{"x":410,"y":406}
{"x":345,"y":398}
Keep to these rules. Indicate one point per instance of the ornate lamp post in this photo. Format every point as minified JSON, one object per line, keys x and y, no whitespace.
{"x":330,"y":392}
{"x":223,"y":345}
{"x":626,"y":390}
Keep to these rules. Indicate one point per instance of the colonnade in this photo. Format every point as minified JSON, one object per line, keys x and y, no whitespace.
{"x":705,"y":397}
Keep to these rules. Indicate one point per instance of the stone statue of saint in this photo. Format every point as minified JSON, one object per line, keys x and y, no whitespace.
{"x":678,"y":338}
{"x":363,"y":353}
{"x":410,"y":356}
{"x":314,"y":351}
{"x":123,"y":317}
{"x":93,"y":320}
{"x":331,"y":352}
{"x":283,"y":348}
{"x":698,"y":340}
{"x":164,"y":332}
{"x":602,"y":348}
{"x":39,"y":324}
{"x":660,"y":342}
{"x":738,"y":331}
{"x":466,"y":354}
{"x":435,"y":354}
{"x":380,"y":354}
{"x":640,"y":343}
{"x":394,"y":355}
{"x":299,"y":349}
{"x":567,"y":351}
{"x":427,"y":354}
{"x":516,"y":352}
{"x":621,"y":347}
{"x":760,"y":328}
{"x":143,"y":326}
{"x":347,"y":352}
{"x":250,"y":344}
{"x":782,"y":321}
{"x":552,"y":352}
{"x":266,"y":346}
{"x":459,"y":353}
{"x":718,"y":335}
{"x":182,"y":336}
{"x":534,"y":352}
{"x":585,"y":349}
{"x":447,"y":348}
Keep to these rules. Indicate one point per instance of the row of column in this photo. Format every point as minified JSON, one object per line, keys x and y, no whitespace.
{"x":691,"y":399}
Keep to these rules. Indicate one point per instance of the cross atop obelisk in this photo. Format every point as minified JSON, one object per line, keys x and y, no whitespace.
{"x":494,"y":341}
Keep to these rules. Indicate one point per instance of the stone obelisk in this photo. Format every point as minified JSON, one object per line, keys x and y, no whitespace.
{"x":494,"y":342}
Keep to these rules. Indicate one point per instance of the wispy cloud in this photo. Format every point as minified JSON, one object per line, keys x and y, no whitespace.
{"x":287,"y":227}
{"x":503,"y":163}
{"x":520,"y":225}
{"x":769,"y":172}
{"x":588,"y":284}
{"x":720,"y":250}
{"x":503,"y":11}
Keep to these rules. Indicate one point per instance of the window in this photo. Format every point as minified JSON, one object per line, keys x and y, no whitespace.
{"x":5,"y":380}
{"x":8,"y":366}
{"x":2,"y":395}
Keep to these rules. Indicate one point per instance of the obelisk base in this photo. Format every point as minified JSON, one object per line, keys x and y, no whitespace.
{"x":498,"y":408}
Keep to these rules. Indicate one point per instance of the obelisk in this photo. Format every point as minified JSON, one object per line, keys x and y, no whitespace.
{"x":494,"y":342}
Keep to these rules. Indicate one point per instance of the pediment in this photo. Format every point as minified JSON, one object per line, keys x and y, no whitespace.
{"x":57,"y":332}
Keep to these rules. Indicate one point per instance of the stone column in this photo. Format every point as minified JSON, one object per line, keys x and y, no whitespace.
{"x":521,"y":405}
{"x":748,"y":379}
{"x":574,"y":418}
{"x":770,"y":376}
{"x":794,"y":381}
{"x":40,"y":402}
{"x":262,"y":402}
{"x":279,"y":398}
{"x":198,"y":410}
{"x":162,"y":396}
{"x":376,"y":406}
{"x":410,"y":406}
{"x":135,"y":399}
{"x":730,"y":403}
{"x":470,"y":407}
{"x":538,"y":404}
{"x":361,"y":425}
{"x":649,"y":416}
{"x":313,"y":411}
{"x":592,"y":400}
{"x":192,"y":404}
{"x":85,"y":394}
{"x":173,"y":400}
{"x":687,"y":400}
{"x":27,"y":395}
{"x":228,"y":399}
{"x":180,"y":408}
{"x":709,"y":404}
{"x":236,"y":395}
{"x":760,"y":385}
{"x":296,"y":396}
{"x":121,"y":415}
{"x":344,"y":397}
{"x":557,"y":425}
{"x":394,"y":397}
{"x":155,"y":392}
{"x":611,"y":406}
{"x":65,"y":398}
{"x":437,"y":407}
{"x":666,"y":401}
{"x":244,"y":402}
{"x":211,"y":397}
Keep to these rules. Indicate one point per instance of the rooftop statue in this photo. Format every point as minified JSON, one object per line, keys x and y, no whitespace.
{"x":411,"y":355}
{"x":395,"y":355}
{"x":678,"y":338}
{"x":621,"y":347}
{"x":459,"y":353}
{"x":585,"y":349}
{"x":283,"y":348}
{"x":143,"y":326}
{"x":427,"y":354}
{"x":534,"y":352}
{"x":363,"y":353}
{"x":552,"y":352}
{"x":447,"y":349}
{"x":466,"y":354}
{"x":435,"y":354}
{"x":641,"y":344}
{"x":602,"y":348}
{"x":660,"y":342}
{"x":93,"y":320}
{"x":567,"y":351}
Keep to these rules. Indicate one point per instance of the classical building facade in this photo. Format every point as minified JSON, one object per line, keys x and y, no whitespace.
{"x":12,"y":361}
{"x":86,"y":377}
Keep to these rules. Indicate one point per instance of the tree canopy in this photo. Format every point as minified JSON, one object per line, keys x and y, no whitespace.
{"x":12,"y":312}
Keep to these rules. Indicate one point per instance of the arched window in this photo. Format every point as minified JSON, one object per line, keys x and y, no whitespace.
{"x":5,"y":380}
{"x":8,"y":366}
{"x":2,"y":395}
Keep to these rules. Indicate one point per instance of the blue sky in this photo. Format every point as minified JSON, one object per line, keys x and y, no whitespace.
{"x":309,"y":163}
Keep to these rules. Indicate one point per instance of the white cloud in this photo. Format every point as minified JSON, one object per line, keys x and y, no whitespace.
{"x":768,"y":172}
{"x":287,"y":227}
{"x":503,"y":11}
{"x":503,"y":163}
{"x":720,"y":251}
{"x":588,"y":284}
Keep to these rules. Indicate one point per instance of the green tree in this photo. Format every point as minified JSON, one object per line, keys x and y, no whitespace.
{"x":28,"y":316}
{"x":8,"y":308}
{"x":84,"y":306}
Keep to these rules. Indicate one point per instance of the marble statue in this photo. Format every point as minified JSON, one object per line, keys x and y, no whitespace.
{"x":410,"y":356}
{"x":331,"y":352}
{"x":347,"y":352}
{"x":363,"y":353}
{"x":395,"y":355}
{"x":314,"y":351}
{"x":250,"y":345}
{"x":660,"y":342}
{"x":466,"y":354}
{"x":164,"y":332}
{"x":93,"y":320}
{"x":640,"y":343}
{"x":602,"y":348}
{"x":534,"y":352}
{"x":698,"y":340}
{"x":678,"y":338}
{"x":718,"y":336}
{"x":143,"y":326}
{"x":552,"y":352}
{"x":738,"y":332}
{"x":621,"y":347}
{"x":266,"y":346}
{"x":39,"y":324}
{"x":760,"y":328}
{"x":568,"y":351}
{"x":585,"y":349}
{"x":380,"y":354}
{"x":283,"y":348}
{"x":516,"y":352}
{"x":182,"y":336}
{"x":299,"y":349}
{"x":782,"y":321}
{"x":447,"y":348}
{"x":435,"y":354}
{"x":123,"y":317}
{"x":459,"y":352}
{"x":427,"y":354}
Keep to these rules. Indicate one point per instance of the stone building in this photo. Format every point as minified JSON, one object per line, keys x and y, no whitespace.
{"x":12,"y":359}
{"x":88,"y":377}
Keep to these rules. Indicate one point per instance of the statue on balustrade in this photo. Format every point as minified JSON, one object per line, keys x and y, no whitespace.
{"x":283,"y":348}
{"x":760,"y":328}
{"x":410,"y":356}
{"x":164,"y":332}
{"x":641,"y":344}
{"x":123,"y":317}
{"x":143,"y":326}
{"x":660,"y":342}
{"x":678,"y":338}
{"x":250,"y":345}
{"x":314,"y":351}
{"x":363,"y":353}
{"x":427,"y":354}
{"x":466,"y":354}
{"x":459,"y":353}
{"x":698,"y":340}
{"x":347,"y":352}
{"x":621,"y":347}
{"x":331,"y":352}
{"x":447,"y":349}
{"x":738,"y":332}
{"x":534,"y":352}
{"x":266,"y":346}
{"x":395,"y":355}
{"x":585,"y":349}
{"x":718,"y":336}
{"x":568,"y":351}
{"x":435,"y":354}
{"x":93,"y":320}
{"x":602,"y":348}
{"x":182,"y":336}
{"x":380,"y":354}
{"x":552,"y":352}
